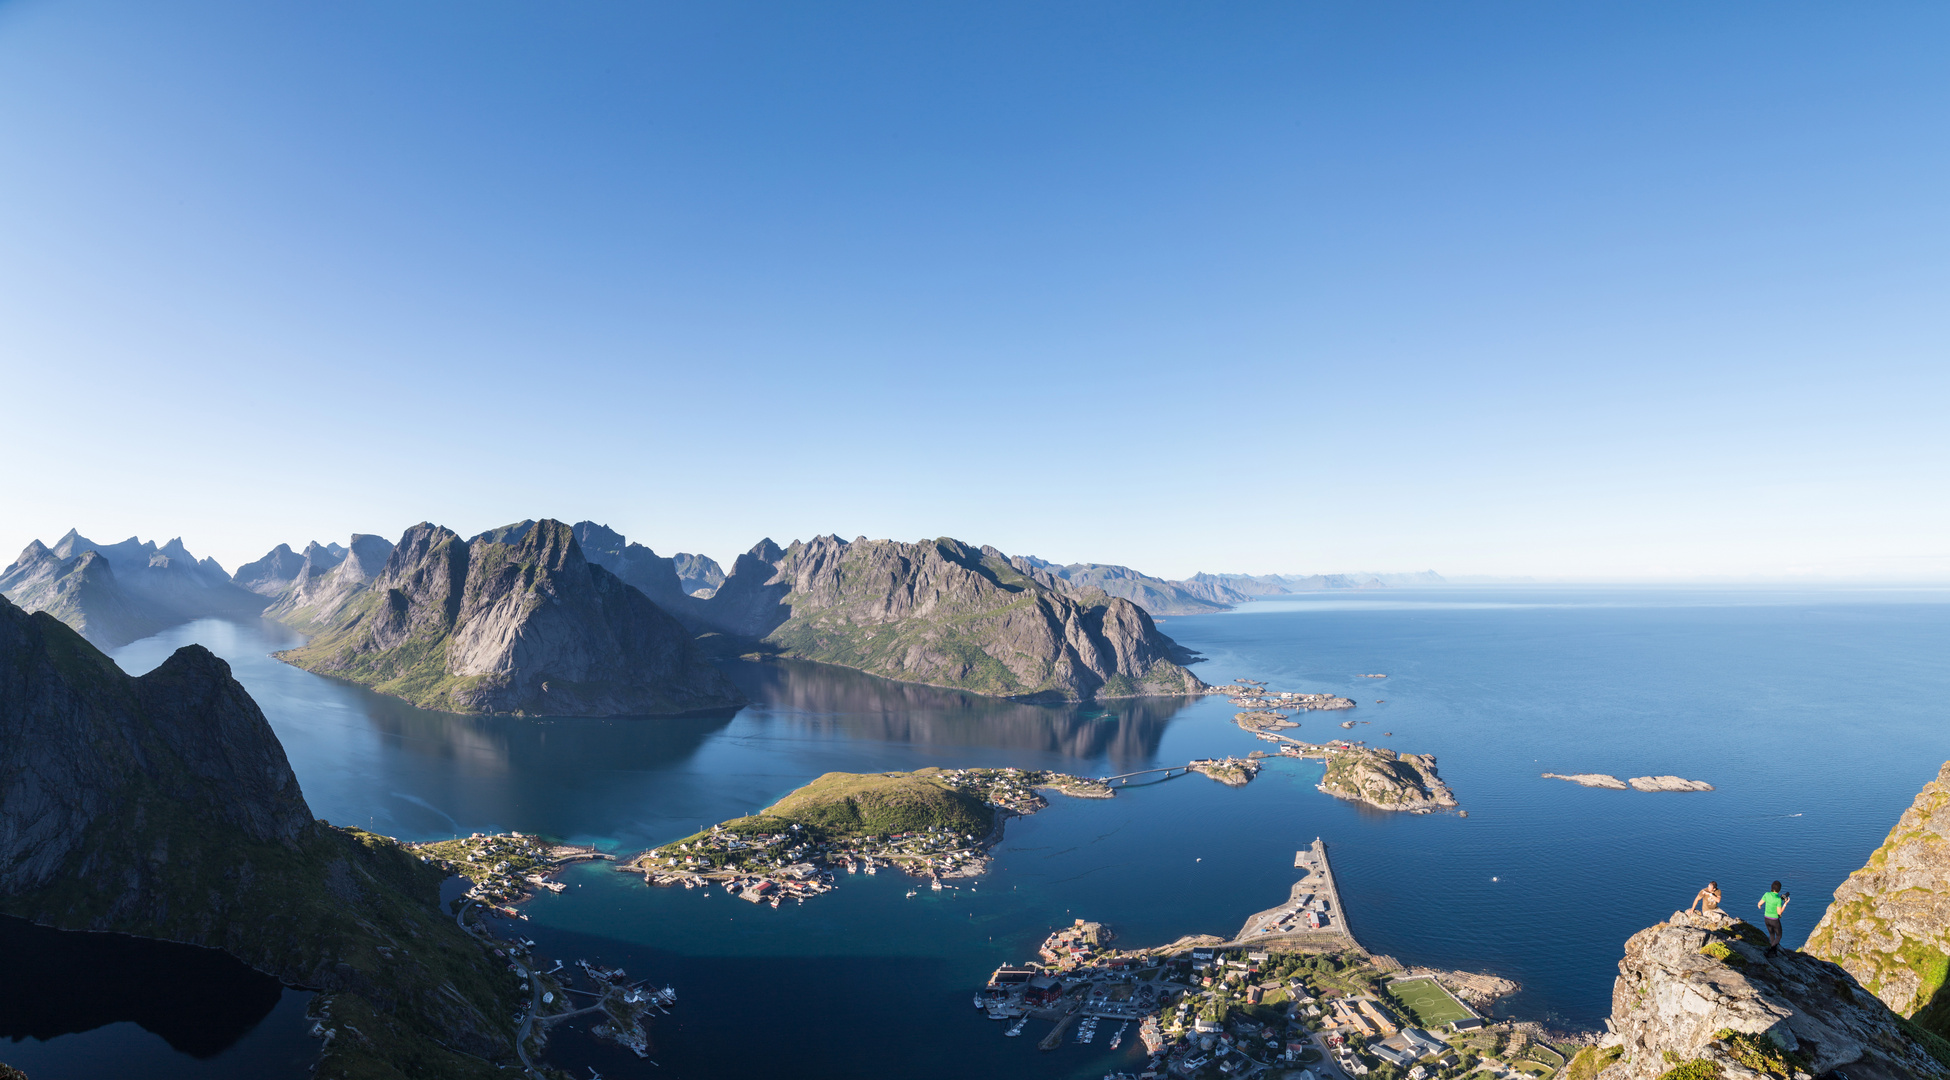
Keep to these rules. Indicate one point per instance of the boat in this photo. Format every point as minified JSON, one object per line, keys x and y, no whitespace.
{"x":1015,"y":1029}
{"x":936,"y":886}
{"x":1117,"y":1040}
{"x":979,"y":1003}
{"x":911,"y":894}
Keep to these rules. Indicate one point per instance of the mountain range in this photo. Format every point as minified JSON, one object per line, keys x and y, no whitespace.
{"x":116,"y":593}
{"x":546,"y":618}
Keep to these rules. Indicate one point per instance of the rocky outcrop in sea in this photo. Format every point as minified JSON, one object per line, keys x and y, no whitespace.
{"x":1890,"y":923}
{"x":514,"y":621}
{"x":947,"y":614}
{"x":1385,"y":779}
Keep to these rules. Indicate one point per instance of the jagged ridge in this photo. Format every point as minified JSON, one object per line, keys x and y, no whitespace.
{"x":515,"y":621}
{"x":945,"y":613}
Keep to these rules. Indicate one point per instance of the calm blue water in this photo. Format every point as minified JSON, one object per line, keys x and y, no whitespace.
{"x":1817,"y":713}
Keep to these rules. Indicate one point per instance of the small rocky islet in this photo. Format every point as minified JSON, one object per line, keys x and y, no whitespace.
{"x":1637,"y":783}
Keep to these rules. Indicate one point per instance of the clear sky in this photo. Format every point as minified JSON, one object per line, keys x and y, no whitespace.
{"x":1586,"y":290}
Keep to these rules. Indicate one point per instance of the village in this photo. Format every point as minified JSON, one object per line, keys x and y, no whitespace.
{"x":505,"y":868}
{"x":770,"y":860}
{"x":1303,"y":1001}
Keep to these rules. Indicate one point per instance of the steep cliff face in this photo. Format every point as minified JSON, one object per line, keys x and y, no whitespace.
{"x":275,"y":572}
{"x":115,"y":593}
{"x":1890,"y":922}
{"x":516,"y":621}
{"x":643,"y":569}
{"x":163,"y":806}
{"x":1386,"y":780}
{"x":946,"y":614}
{"x":1699,"y":998}
{"x":700,"y":574}
{"x":329,"y":578}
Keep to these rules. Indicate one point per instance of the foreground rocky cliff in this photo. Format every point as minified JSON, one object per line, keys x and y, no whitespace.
{"x":116,"y":593}
{"x":1890,"y":923}
{"x":515,"y":621}
{"x":947,"y":614}
{"x":163,"y":806}
{"x":1698,"y":998}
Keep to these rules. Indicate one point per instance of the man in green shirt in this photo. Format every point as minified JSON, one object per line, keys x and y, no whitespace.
{"x":1771,"y":905}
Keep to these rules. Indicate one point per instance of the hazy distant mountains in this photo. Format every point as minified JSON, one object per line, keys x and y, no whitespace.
{"x":116,"y":593}
{"x":1204,"y":593}
{"x":516,"y":620}
{"x":946,"y":613}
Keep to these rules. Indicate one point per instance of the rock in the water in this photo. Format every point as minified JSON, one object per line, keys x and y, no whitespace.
{"x":945,"y":613}
{"x":1668,"y":783}
{"x":515,"y":621}
{"x":1589,"y":779}
{"x":1890,"y":922}
{"x":1698,"y":993}
{"x":1386,"y":780}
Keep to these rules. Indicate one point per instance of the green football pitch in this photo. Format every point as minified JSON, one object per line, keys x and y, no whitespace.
{"x":1432,"y":1005}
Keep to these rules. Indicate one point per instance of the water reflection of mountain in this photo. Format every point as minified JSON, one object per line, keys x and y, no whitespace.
{"x":58,"y":982}
{"x":863,"y":706}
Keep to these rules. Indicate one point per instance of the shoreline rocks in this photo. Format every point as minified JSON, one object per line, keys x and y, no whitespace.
{"x":1386,"y":780}
{"x":1589,"y":779}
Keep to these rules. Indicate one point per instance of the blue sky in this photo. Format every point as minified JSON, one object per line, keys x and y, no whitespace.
{"x":1599,"y":291}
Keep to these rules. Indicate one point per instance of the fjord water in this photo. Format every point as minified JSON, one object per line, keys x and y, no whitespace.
{"x":1817,"y":713}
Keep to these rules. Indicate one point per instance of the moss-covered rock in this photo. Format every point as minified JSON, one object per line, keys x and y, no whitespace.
{"x":1890,"y":922}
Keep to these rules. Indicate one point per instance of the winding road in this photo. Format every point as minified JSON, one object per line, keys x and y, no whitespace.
{"x":534,"y":989}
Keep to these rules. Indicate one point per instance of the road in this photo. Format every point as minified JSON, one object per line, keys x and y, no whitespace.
{"x":534,"y":989}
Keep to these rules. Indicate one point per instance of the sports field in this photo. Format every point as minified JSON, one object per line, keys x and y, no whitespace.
{"x":1432,"y":1005}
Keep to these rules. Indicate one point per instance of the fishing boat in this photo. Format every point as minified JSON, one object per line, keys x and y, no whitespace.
{"x":911,"y":894}
{"x":980,"y":1003}
{"x":936,"y":886}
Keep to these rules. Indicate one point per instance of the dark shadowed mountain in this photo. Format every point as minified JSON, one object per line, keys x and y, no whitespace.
{"x":164,"y":807}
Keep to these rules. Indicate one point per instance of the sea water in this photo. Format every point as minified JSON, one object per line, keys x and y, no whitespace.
{"x":1816,"y":713}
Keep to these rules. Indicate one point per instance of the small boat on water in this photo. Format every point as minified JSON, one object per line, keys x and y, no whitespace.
{"x":936,"y":886}
{"x":911,"y":894}
{"x":980,"y":1003}
{"x":1015,"y":1029}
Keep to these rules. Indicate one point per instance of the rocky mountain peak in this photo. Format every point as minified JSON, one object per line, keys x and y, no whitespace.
{"x":516,"y":620}
{"x":1700,"y":990}
{"x":947,"y":613}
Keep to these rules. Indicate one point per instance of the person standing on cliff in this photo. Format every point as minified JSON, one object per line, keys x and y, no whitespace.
{"x":1771,"y":905}
{"x":1707,"y":899}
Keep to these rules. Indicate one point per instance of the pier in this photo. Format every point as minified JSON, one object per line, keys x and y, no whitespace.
{"x":1316,"y":892}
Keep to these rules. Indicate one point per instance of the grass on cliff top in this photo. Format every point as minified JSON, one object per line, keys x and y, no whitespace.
{"x":841,"y":805}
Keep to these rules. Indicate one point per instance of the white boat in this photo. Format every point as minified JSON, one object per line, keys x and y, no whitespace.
{"x":912,"y":894}
{"x":937,"y":885}
{"x":1015,"y":1029}
{"x":979,"y":1003}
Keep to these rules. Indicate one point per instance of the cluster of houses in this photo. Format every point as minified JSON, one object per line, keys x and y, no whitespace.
{"x":1189,"y":1008}
{"x":504,"y":867}
{"x":1254,"y":695}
